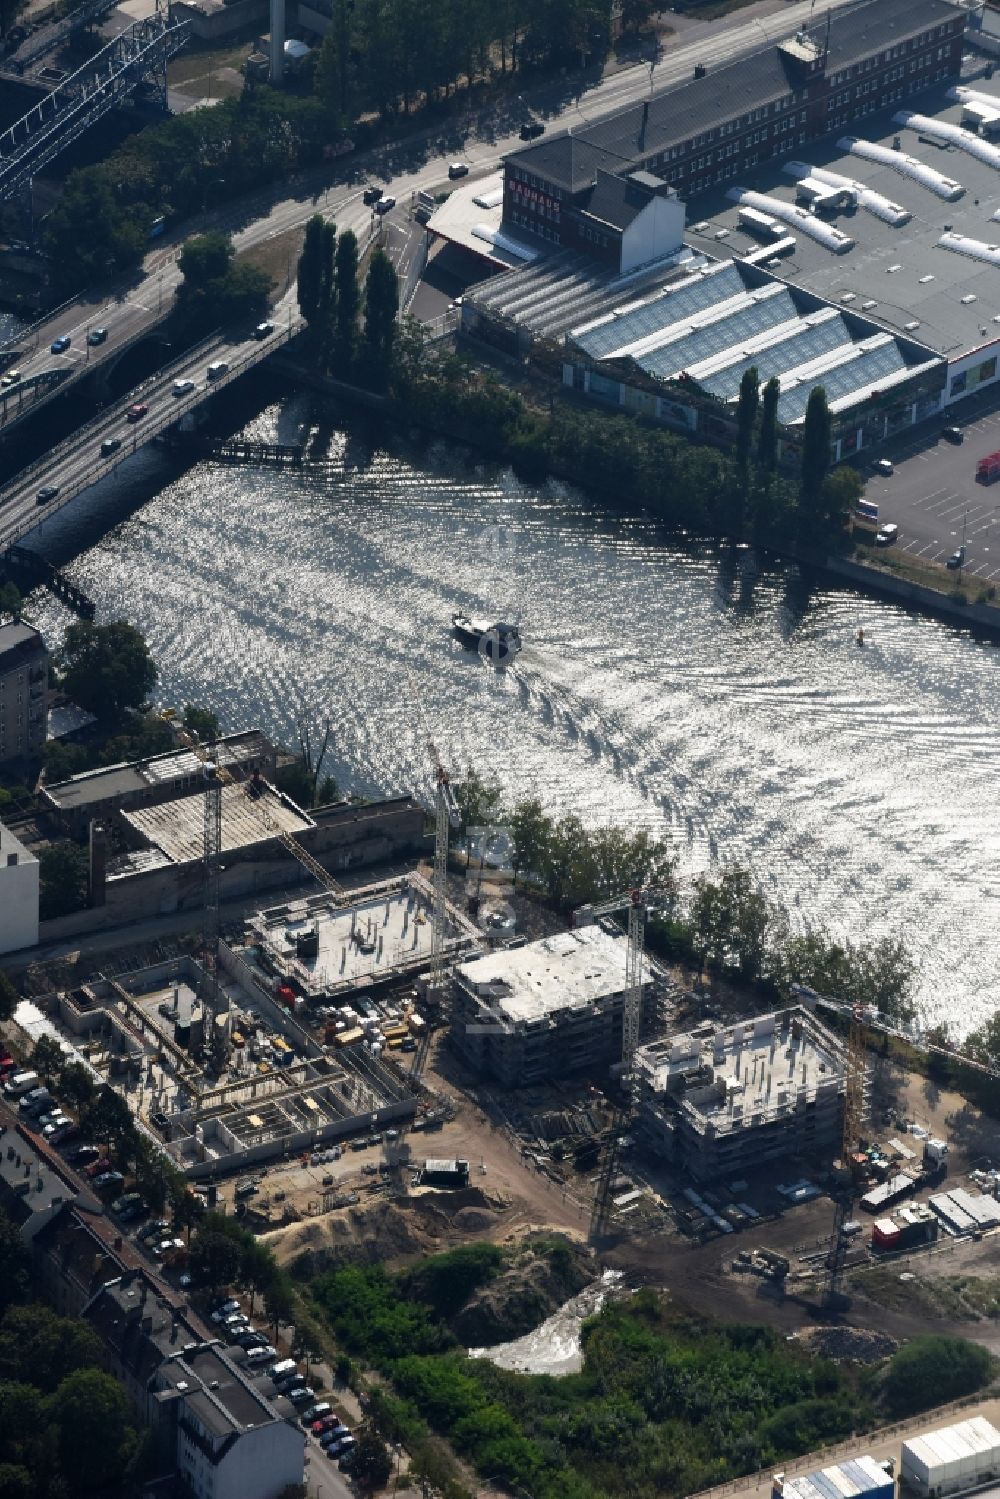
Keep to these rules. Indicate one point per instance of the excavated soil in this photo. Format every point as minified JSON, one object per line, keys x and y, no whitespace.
{"x":389,"y":1231}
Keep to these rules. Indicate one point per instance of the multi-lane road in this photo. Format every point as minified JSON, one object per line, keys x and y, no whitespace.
{"x":140,"y":304}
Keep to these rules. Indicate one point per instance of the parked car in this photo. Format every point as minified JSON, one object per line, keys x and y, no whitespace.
{"x":953,"y":434}
{"x":346,"y":1461}
{"x":167,"y":1246}
{"x":335,"y":1433}
{"x":262,"y":331}
{"x":325,"y":1424}
{"x":223,"y":1309}
{"x":155,"y":1230}
{"x":458,"y":169}
{"x":957,"y":559}
{"x":338,"y":1448}
{"x":385,"y":205}
{"x":97,"y":336}
{"x":884,"y":466}
{"x":182,"y":387}
{"x":84,"y":1154}
{"x":886,"y":535}
{"x":313,"y":1413}
{"x":299,"y":1395}
{"x":54,"y":1126}
{"x":61,"y":344}
{"x":264,"y":1355}
{"x":531,"y":130}
{"x":106,"y":1181}
{"x":371,"y":195}
{"x":64,"y":1132}
{"x":137,"y":412}
{"x":130,"y":1200}
{"x":46,"y":493}
{"x":110,"y":445}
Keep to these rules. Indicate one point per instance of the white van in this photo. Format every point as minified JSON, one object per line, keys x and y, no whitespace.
{"x":21,"y":1083}
{"x":217,"y":370}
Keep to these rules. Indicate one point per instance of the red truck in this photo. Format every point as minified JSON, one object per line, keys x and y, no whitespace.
{"x":988,"y":469}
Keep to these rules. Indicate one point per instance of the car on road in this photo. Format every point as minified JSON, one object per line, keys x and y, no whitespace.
{"x":110,"y":445}
{"x":137,"y":412}
{"x":371,"y":195}
{"x":953,"y":434}
{"x":957,"y":559}
{"x":46,"y":493}
{"x":11,"y":377}
{"x":458,"y":169}
{"x":385,"y":205}
{"x":97,"y":336}
{"x":61,"y":344}
{"x":886,"y":535}
{"x":262,"y":331}
{"x":531,"y":130}
{"x":182,"y":387}
{"x":883,"y":466}
{"x":217,"y":370}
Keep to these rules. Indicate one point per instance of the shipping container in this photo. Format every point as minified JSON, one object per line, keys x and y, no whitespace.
{"x":890,"y":1191}
{"x":951,"y":1460}
{"x":855,"y":1478}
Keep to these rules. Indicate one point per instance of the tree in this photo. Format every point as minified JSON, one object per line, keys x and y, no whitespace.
{"x":372,"y":1462}
{"x":767,"y":437}
{"x":348,"y":297}
{"x":296,"y":780}
{"x":381,"y":306}
{"x":216,"y":289}
{"x":9,"y":12}
{"x":930,"y":1370}
{"x":9,"y":998}
{"x":746,"y":413}
{"x":531,"y":831}
{"x":107,"y":1117}
{"x":478,"y":800}
{"x":840,"y":492}
{"x":48,"y":1058}
{"x":63,"y":874}
{"x":310,"y":273}
{"x":815,"y":450}
{"x":96,"y":1438}
{"x":15,"y":1265}
{"x":10,"y":594}
{"x":41,"y":1348}
{"x":201,"y":722}
{"x":77,"y":1085}
{"x":215,"y":1259}
{"x":279,"y":1302}
{"x":106,"y":669}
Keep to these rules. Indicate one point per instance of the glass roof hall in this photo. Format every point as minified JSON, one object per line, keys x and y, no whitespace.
{"x":856,"y":374}
{"x":702,"y":292}
{"x":726,"y":333}
{"x":805,"y":343}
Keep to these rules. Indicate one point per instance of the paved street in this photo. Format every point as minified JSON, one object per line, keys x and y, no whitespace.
{"x":934,"y":497}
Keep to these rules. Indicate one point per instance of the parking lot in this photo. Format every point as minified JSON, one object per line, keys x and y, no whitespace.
{"x":934,"y":497}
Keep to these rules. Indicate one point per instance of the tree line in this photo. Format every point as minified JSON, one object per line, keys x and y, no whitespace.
{"x":388,"y":55}
{"x":719,"y":924}
{"x":330,"y":302}
{"x":641,"y":466}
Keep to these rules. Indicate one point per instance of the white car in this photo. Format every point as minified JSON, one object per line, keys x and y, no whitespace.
{"x":183,"y":387}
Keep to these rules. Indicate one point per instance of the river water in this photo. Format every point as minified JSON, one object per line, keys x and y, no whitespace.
{"x":666,"y":684}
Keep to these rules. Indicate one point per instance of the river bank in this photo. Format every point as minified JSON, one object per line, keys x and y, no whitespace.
{"x":504,"y":426}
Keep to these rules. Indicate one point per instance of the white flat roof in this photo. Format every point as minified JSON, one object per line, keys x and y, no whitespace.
{"x":365,"y":940}
{"x":566,"y":972}
{"x":470,"y":217}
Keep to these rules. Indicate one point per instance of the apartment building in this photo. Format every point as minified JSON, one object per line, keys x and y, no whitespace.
{"x":24,"y":692}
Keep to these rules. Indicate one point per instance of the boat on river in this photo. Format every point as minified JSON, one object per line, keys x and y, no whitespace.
{"x":499,"y":643}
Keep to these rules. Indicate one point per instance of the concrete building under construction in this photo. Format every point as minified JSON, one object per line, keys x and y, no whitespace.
{"x":554,"y":1006}
{"x":721,"y":1101}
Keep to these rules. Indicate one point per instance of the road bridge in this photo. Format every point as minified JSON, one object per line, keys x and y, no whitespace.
{"x":83,"y":459}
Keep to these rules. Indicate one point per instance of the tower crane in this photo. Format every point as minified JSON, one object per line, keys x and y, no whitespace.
{"x":446,"y":817}
{"x":636,"y":902}
{"x":859,"y":1018}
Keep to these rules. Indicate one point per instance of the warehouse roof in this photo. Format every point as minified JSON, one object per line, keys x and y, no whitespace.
{"x":620,"y":140}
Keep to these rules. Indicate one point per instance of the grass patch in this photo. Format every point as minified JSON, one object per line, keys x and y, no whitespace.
{"x":912,"y":569}
{"x":198,"y":70}
{"x":277,"y":257}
